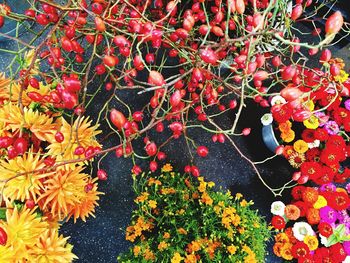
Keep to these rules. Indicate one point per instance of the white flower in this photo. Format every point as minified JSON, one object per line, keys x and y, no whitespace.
{"x":277,"y":100}
{"x":277,"y":208}
{"x":301,"y":230}
{"x":323,"y":239}
{"x":314,"y":144}
{"x":347,"y":259}
{"x":266,"y":119}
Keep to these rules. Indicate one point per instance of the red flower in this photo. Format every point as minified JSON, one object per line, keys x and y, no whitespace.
{"x":321,"y":254}
{"x":337,"y":253}
{"x":278,"y":222}
{"x":297,"y":192}
{"x":325,"y":177}
{"x":321,"y":134}
{"x":332,"y":155}
{"x":338,"y":200}
{"x":311,"y":169}
{"x":307,"y":259}
{"x":310,"y":195}
{"x":340,"y":115}
{"x":313,"y":155}
{"x":308,"y":135}
{"x":346,"y":123}
{"x":335,"y":141}
{"x":325,"y":229}
{"x":300,"y":250}
{"x":327,"y":101}
{"x":302,"y":207}
{"x":282,"y":113}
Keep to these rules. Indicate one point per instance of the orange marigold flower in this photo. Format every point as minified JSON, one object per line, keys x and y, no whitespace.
{"x":313,"y":216}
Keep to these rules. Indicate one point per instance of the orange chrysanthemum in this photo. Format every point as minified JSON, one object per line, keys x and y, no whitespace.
{"x":87,"y":204}
{"x":63,"y":191}
{"x":26,"y":186}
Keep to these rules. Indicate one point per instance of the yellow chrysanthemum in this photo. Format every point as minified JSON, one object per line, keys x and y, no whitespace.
{"x":25,"y":186}
{"x":42,"y":125}
{"x":176,"y":258}
{"x":6,"y":253}
{"x":52,"y":248}
{"x":311,"y":123}
{"x":63,"y":190}
{"x":300,"y":146}
{"x":9,"y":90}
{"x":23,"y":230}
{"x":80,"y":133}
{"x":87,"y":204}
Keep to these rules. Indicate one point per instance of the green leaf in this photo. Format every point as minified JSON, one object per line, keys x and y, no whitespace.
{"x":3,"y":214}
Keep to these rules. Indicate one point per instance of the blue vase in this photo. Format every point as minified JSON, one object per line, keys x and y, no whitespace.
{"x":269,"y":137}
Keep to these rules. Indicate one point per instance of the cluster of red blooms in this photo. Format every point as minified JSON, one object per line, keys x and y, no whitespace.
{"x":319,"y":225}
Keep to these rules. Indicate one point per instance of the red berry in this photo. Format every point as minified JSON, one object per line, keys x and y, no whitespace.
{"x":137,"y":116}
{"x":279,"y":150}
{"x":334,"y":23}
{"x":30,"y":204}
{"x":102,"y":175}
{"x":59,"y":137}
{"x":151,"y":149}
{"x":136,"y":169}
{"x":153,"y":166}
{"x":21,"y":145}
{"x":202,"y":151}
{"x":195,"y":171}
{"x":3,"y":237}
{"x":79,"y":150}
{"x":5,"y":141}
{"x":246,"y":131}
{"x":117,"y":118}
{"x":11,"y":152}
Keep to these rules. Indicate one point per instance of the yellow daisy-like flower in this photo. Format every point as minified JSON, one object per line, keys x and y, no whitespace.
{"x":80,"y":133}
{"x":42,"y":125}
{"x":63,"y":191}
{"x":300,"y":146}
{"x":87,"y":204}
{"x":311,"y":242}
{"x":232,"y":249}
{"x":311,"y":123}
{"x":152,"y":204}
{"x":25,"y":186}
{"x":176,"y":258}
{"x":167,"y":168}
{"x":23,"y":230}
{"x":342,"y":77}
{"x":321,"y":202}
{"x":52,"y":247}
{"x":296,"y":159}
